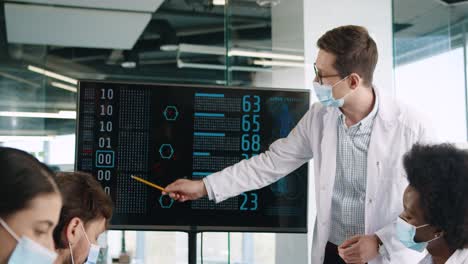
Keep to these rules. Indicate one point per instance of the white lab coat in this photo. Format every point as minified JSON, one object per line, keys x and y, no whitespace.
{"x":458,"y":257}
{"x":396,"y":128}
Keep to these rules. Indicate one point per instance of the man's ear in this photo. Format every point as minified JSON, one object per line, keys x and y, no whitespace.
{"x":73,"y":231}
{"x":354,"y":80}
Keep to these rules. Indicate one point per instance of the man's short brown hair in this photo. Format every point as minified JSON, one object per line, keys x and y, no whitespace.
{"x":83,"y":197}
{"x":355,"y":51}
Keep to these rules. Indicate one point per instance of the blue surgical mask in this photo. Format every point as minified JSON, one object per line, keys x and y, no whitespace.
{"x":28,"y":251}
{"x":93,"y":254}
{"x":406,"y":233}
{"x":325,"y":95}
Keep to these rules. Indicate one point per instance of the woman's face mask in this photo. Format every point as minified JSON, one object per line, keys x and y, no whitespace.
{"x":27,"y":250}
{"x":406,"y":233}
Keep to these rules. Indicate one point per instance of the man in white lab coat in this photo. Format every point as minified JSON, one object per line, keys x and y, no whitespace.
{"x":356,"y":138}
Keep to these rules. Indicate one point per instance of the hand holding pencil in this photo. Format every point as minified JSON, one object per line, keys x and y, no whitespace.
{"x":186,"y":190}
{"x":181,"y":190}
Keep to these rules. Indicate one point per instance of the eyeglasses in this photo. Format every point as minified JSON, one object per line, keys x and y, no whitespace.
{"x":320,"y":77}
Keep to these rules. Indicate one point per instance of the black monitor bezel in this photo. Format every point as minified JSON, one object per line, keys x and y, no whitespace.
{"x":190,"y":228}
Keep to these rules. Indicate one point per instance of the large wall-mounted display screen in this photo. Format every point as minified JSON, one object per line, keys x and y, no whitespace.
{"x":162,"y":132}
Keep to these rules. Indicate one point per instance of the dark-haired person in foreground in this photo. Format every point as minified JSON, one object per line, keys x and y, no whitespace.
{"x":85,"y":215}
{"x":30,"y":205}
{"x":435,"y":215}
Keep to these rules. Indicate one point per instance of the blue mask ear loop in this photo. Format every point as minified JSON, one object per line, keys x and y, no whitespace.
{"x":69,"y":245}
{"x":337,"y":84}
{"x":86,"y":235}
{"x":421,"y":226}
{"x":9,"y":230}
{"x":340,"y":81}
{"x":71,"y":253}
{"x":435,"y":237}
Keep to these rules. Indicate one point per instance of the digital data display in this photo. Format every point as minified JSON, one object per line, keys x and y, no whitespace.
{"x":162,"y":132}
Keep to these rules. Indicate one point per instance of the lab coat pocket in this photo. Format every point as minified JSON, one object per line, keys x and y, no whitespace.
{"x":391,"y":173}
{"x":392,"y":183}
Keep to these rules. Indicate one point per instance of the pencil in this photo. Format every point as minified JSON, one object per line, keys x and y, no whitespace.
{"x":148,"y":183}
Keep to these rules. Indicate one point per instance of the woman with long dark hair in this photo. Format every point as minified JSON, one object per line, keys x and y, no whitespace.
{"x":30,"y":205}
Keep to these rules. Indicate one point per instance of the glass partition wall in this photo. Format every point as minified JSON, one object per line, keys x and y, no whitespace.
{"x":430,"y":62}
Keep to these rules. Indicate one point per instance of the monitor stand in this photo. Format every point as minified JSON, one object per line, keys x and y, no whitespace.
{"x":192,"y":247}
